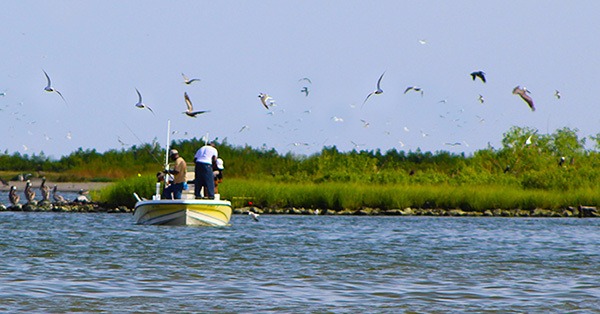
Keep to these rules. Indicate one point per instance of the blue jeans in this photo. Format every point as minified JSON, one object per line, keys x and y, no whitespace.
{"x":204,"y":178}
{"x":173,"y":191}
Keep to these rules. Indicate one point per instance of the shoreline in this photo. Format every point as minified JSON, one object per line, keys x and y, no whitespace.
{"x":61,"y":186}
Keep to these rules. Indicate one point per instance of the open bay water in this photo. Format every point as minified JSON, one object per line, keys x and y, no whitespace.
{"x":74,"y":262}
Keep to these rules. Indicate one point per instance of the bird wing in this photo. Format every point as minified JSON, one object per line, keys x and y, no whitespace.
{"x":139,"y":96}
{"x":263,"y":99}
{"x":482,"y":76}
{"x":367,"y":98}
{"x":47,"y":78}
{"x":61,"y":96}
{"x":379,"y":81}
{"x":198,"y":112}
{"x":188,"y":102}
{"x":407,"y":89}
{"x":528,"y":100}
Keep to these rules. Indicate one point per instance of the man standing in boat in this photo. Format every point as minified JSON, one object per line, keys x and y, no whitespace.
{"x":204,"y":159}
{"x":179,"y":172}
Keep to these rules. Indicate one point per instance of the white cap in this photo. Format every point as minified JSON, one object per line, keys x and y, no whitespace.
{"x":220,"y":164}
{"x":173,"y":152}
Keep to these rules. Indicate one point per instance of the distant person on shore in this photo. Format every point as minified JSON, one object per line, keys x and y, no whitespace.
{"x":179,"y":171}
{"x":204,"y":159}
{"x":218,"y":173}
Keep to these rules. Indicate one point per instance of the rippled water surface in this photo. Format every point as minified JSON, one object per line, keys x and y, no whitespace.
{"x":73,"y":262}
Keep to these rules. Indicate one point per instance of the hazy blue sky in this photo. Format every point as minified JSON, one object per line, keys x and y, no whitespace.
{"x":98,"y":52}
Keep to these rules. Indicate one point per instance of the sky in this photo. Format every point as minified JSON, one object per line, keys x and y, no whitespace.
{"x":97,"y":53}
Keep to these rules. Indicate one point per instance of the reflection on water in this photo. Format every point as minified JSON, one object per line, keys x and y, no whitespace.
{"x":64,"y":262}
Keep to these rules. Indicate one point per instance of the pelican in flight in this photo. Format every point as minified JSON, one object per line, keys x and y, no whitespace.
{"x":50,"y":89}
{"x":188,"y":81}
{"x":523,"y":93}
{"x":478,"y":74}
{"x":266,"y":100}
{"x":377,"y":91}
{"x":190,"y":108}
{"x":13,"y":196}
{"x":29,"y":192}
{"x":140,"y":104}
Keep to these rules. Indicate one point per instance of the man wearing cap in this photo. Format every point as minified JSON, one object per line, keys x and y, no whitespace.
{"x":179,"y":172}
{"x":205,"y":157}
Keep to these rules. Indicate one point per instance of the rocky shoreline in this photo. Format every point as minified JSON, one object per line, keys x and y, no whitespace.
{"x":576,"y":212}
{"x":92,"y":207}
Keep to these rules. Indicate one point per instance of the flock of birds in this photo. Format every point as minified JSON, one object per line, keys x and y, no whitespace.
{"x":268,"y":101}
{"x":29,"y":193}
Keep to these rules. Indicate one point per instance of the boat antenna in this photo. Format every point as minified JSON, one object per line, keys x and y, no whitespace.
{"x":148,"y":150}
{"x":168,"y":142}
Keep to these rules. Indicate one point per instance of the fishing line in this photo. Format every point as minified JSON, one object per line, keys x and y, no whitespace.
{"x":144,"y":145}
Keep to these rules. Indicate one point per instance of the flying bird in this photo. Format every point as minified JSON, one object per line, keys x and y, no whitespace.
{"x":190,"y":108}
{"x":305,"y":91}
{"x":478,"y":74}
{"x":187,"y":81}
{"x":13,"y":196}
{"x":556,"y":94}
{"x":377,"y":91}
{"x":480,"y":98}
{"x":414,"y":88}
{"x":140,"y":104}
{"x":305,"y":79}
{"x":50,"y":89}
{"x":522,"y":91}
{"x":266,"y":100}
{"x":253,"y":215}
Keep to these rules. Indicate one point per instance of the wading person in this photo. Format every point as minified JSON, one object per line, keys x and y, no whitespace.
{"x":179,"y":172}
{"x":204,"y":159}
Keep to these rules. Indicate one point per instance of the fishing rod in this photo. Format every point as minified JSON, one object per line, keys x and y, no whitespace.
{"x":147,"y":149}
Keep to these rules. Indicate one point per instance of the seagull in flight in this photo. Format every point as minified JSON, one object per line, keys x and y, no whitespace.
{"x":414,"y":88}
{"x":522,"y":92}
{"x":140,"y":104}
{"x":556,"y":94}
{"x":266,"y":100}
{"x":187,"y":81}
{"x":253,"y":215}
{"x":478,"y":74}
{"x":377,"y":91}
{"x":480,"y":98}
{"x":50,"y":89}
{"x":190,"y":109}
{"x":305,"y":79}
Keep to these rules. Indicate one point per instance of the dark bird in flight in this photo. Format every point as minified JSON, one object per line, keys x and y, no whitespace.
{"x":415,"y":88}
{"x":478,"y":74}
{"x":523,"y":93}
{"x":305,"y":90}
{"x":190,"y":108}
{"x":377,"y":91}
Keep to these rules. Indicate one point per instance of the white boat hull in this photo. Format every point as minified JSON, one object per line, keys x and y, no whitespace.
{"x":184,"y":212}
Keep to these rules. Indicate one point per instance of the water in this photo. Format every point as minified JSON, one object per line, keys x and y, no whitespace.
{"x":73,"y":262}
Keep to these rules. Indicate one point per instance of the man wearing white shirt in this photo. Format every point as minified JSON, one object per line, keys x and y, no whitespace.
{"x":205,"y":157}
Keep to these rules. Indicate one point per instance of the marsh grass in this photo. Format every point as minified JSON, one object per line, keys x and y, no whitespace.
{"x":121,"y":192}
{"x":340,"y":196}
